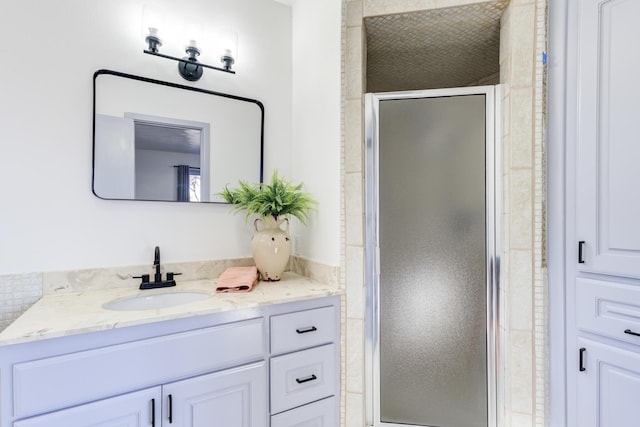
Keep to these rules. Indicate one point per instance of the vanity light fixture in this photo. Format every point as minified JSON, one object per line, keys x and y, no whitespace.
{"x":189,"y":67}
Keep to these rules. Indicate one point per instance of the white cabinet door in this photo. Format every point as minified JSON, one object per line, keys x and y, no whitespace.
{"x":137,"y":409}
{"x":608,"y":155}
{"x":323,"y":413}
{"x":232,"y":398}
{"x":609,"y":387}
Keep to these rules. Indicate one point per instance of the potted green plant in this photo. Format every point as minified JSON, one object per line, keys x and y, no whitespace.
{"x":273,"y":203}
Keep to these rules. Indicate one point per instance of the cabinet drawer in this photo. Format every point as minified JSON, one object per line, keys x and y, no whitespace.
{"x":303,"y":329}
{"x":71,"y":379}
{"x":318,"y":414}
{"x":302,"y":377}
{"x":609,"y":309}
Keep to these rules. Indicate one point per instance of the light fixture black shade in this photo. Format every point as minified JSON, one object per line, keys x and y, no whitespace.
{"x":227,"y":61}
{"x":189,"y":68}
{"x":154,"y":42}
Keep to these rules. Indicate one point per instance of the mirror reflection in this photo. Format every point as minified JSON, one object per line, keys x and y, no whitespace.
{"x":162,"y":141}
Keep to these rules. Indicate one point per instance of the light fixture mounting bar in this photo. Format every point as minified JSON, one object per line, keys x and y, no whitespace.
{"x":200,"y":64}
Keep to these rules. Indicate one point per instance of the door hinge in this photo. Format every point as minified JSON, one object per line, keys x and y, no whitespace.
{"x":581,"y":251}
{"x":582,"y":352}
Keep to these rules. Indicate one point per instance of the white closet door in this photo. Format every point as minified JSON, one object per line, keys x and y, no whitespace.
{"x":608,"y":166}
{"x":608,"y":387}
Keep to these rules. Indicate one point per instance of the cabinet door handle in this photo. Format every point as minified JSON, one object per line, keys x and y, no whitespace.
{"x":170,"y":409}
{"x":630,"y":332}
{"x":307,"y":379}
{"x":582,"y":351}
{"x":581,"y":251}
{"x":153,"y":413}
{"x":305,"y":330}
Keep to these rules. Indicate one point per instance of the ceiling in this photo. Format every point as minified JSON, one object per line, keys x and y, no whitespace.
{"x":436,"y":48}
{"x":166,"y":138}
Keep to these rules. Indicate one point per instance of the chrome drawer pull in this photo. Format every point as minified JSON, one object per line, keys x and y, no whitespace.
{"x":304,"y":380}
{"x":630,"y":332}
{"x":305,"y":330}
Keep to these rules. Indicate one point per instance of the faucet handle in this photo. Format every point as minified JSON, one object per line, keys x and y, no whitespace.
{"x":171,"y":274}
{"x":144,"y":277}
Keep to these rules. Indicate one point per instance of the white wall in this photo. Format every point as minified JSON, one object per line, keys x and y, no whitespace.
{"x":156,"y":175}
{"x":49,"y":218}
{"x":316,"y":123}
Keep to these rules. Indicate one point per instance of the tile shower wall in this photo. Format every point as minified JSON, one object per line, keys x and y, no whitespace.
{"x":522,"y":376}
{"x":523,"y":291}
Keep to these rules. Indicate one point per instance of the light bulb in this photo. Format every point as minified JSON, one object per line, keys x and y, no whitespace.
{"x":228,"y":47}
{"x":152,"y":22}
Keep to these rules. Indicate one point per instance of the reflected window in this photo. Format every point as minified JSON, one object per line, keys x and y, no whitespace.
{"x":194,"y":184}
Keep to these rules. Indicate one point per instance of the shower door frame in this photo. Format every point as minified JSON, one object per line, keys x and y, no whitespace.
{"x":372,"y":248}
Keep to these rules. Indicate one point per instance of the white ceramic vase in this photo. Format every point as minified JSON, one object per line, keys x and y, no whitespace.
{"x":271,"y":247}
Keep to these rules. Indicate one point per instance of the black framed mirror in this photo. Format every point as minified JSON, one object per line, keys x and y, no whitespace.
{"x":162,"y":141}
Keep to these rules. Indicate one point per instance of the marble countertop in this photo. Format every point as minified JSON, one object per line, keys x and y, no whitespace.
{"x":81,"y":312}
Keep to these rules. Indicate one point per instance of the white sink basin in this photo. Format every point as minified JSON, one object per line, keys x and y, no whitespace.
{"x":155,"y":301}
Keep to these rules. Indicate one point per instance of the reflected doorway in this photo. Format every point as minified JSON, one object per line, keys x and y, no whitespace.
{"x":171,"y":160}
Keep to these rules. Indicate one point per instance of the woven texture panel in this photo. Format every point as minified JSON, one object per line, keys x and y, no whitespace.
{"x":436,"y":48}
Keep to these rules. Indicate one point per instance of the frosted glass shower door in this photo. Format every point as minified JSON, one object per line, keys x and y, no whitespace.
{"x":432,"y":261}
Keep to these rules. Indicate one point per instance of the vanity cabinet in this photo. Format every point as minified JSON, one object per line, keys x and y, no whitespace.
{"x":602,"y":210}
{"x":304,"y":378}
{"x":323,"y":413}
{"x":234,"y":397}
{"x":137,"y":409}
{"x":215,"y":370}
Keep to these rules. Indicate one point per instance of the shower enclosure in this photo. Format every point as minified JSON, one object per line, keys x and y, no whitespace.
{"x":431,"y":257}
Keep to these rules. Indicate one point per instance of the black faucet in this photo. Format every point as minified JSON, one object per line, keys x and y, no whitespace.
{"x":156,"y":264}
{"x":157,"y":278}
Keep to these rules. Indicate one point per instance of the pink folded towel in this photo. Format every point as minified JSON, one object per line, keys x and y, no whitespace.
{"x":237,"y":279}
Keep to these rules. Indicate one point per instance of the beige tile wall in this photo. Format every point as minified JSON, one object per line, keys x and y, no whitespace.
{"x":523,"y":40}
{"x":353,"y":364}
{"x":522,"y":374}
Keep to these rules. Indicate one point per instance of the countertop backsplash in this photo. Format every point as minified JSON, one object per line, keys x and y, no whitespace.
{"x":18,"y":292}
